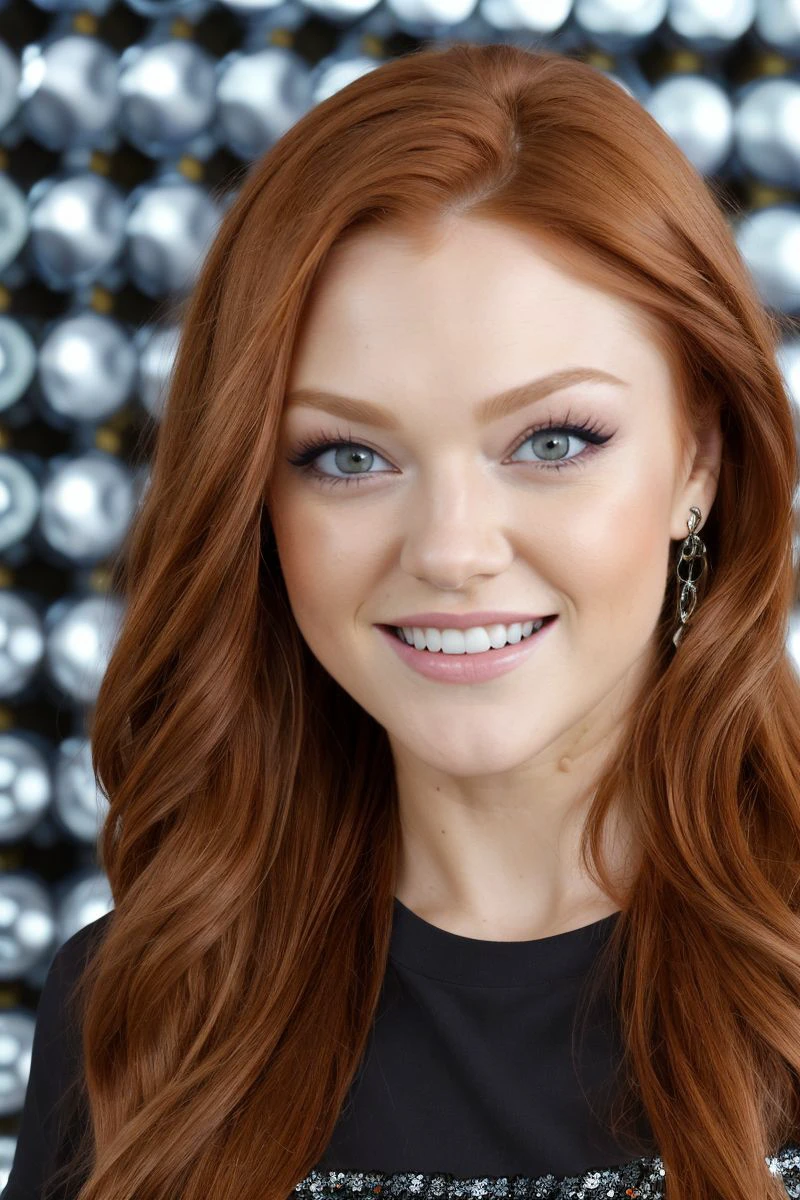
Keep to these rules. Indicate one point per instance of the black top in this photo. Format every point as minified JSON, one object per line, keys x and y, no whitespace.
{"x":468,"y":1068}
{"x":468,"y":1074}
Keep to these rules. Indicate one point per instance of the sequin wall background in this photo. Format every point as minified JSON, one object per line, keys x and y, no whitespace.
{"x":125,"y":131}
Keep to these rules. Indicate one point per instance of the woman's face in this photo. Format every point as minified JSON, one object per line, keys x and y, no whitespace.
{"x":441,"y":503}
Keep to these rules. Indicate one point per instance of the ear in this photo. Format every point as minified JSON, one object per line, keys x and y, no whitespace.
{"x":701,"y":474}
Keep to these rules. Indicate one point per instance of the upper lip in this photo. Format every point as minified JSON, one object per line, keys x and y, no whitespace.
{"x":440,"y":620}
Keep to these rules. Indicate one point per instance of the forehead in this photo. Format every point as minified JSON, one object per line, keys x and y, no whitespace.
{"x":475,"y":308}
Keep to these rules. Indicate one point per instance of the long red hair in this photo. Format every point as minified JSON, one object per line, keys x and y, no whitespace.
{"x":252,"y":835}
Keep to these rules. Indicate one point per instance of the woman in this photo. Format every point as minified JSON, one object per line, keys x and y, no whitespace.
{"x":451,"y":739}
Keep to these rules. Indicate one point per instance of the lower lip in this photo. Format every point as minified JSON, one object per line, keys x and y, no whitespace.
{"x":467,"y":668}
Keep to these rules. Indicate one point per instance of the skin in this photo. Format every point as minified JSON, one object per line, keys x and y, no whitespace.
{"x":494,"y":779}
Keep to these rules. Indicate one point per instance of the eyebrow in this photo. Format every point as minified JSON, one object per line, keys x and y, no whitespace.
{"x":490,"y":409}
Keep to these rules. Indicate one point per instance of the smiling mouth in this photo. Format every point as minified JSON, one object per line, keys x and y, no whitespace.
{"x":536,"y":626}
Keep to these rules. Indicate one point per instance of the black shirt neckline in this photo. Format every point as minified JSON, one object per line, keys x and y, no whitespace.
{"x":454,"y":958}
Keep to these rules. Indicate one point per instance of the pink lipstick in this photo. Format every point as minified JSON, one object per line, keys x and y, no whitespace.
{"x":467,"y":668}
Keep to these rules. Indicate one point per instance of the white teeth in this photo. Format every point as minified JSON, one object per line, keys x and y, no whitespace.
{"x":469,"y":641}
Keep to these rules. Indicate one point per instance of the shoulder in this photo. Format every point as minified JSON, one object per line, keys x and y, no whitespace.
{"x":54,"y":1014}
{"x":77,"y":949}
{"x":52,"y":1116}
{"x":70,"y":958}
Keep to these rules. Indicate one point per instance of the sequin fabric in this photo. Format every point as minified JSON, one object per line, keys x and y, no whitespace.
{"x":641,"y":1179}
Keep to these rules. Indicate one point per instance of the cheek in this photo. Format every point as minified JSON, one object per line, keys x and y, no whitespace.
{"x":616,"y":554}
{"x":325,"y":565}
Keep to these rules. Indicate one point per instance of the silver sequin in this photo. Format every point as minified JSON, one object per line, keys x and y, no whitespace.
{"x":641,"y":1179}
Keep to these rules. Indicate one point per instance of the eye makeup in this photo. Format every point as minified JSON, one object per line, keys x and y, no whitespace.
{"x":310,"y":449}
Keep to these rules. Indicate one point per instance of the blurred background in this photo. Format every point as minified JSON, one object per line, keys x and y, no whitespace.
{"x":126,"y":129}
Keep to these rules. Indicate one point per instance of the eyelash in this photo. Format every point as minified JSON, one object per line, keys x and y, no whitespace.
{"x":313,"y":447}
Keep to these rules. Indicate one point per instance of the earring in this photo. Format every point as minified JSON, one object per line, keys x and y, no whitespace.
{"x":693,"y":550}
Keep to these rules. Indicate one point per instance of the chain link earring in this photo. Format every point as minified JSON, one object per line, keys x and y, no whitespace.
{"x":693,"y":551}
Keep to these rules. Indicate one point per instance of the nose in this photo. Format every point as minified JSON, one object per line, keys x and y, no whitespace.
{"x":457,"y":527}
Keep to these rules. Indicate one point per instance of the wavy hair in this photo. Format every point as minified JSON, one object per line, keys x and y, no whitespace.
{"x":252,"y":834}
